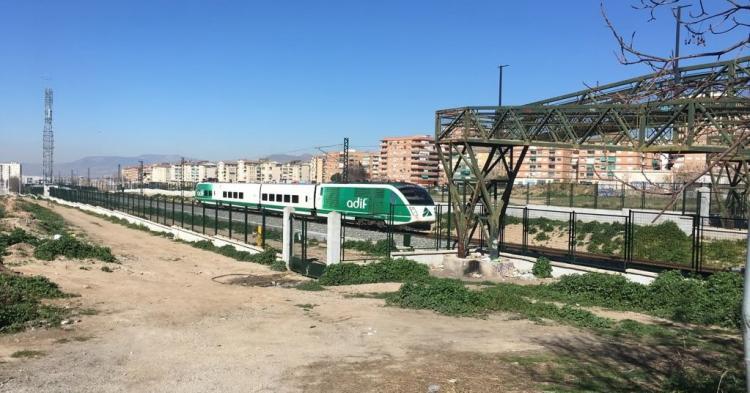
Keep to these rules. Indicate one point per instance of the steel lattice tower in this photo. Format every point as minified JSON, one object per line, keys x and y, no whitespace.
{"x":48,"y":139}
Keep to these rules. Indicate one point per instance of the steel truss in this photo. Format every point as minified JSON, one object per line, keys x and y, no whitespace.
{"x":707,"y":112}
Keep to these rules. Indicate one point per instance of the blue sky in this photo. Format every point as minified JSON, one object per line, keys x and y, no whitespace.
{"x":231,"y":79}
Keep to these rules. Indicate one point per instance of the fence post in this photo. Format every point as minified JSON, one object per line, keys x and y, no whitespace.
{"x":622,"y":197}
{"x":203,"y":218}
{"x":528,"y":191}
{"x":570,"y":196}
{"x":192,"y":215}
{"x":643,"y":199}
{"x":549,"y":190}
{"x":182,"y":212}
{"x":448,"y":232}
{"x":333,"y":238}
{"x":230,"y":219}
{"x":263,"y":229}
{"x":245,"y":224}
{"x":596,"y":195}
{"x":525,"y":230}
{"x":173,"y":210}
{"x":287,"y":237}
{"x":216,"y":219}
{"x":572,"y":236}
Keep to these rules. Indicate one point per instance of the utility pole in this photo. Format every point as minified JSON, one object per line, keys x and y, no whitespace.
{"x":678,"y":22}
{"x":88,"y":177}
{"x":345,"y":169}
{"x":500,"y":85}
{"x":119,"y":177}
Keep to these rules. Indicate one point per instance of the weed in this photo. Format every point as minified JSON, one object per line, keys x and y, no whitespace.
{"x":48,"y":220}
{"x":106,"y":269}
{"x":542,"y":268}
{"x":27,"y":354}
{"x":379,"y":247}
{"x":306,"y":306}
{"x":385,"y":270}
{"x":72,"y":248}
{"x":311,"y":285}
{"x":20,"y":304}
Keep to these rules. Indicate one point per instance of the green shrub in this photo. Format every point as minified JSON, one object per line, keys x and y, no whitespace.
{"x":663,"y":242}
{"x":608,"y":290}
{"x":542,"y":268}
{"x":379,"y":247}
{"x":385,"y":270}
{"x":72,"y":248}
{"x":311,"y":285}
{"x":542,"y":237}
{"x":446,"y":296}
{"x":265,"y":257}
{"x":20,"y":304}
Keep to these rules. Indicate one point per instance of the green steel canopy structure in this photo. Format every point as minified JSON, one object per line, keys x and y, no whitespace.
{"x":701,"y":109}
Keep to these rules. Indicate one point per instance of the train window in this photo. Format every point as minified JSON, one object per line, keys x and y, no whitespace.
{"x":279,"y":198}
{"x":264,"y":196}
{"x":223,"y":194}
{"x":295,"y":198}
{"x":270,"y":197}
{"x":234,"y":195}
{"x":305,"y":198}
{"x":242,"y":195}
{"x":416,"y":195}
{"x":286,"y":198}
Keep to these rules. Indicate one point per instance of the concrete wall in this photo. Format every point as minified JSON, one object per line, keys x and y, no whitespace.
{"x":522,"y":264}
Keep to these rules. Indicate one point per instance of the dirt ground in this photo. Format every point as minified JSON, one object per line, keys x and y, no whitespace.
{"x":161,"y":324}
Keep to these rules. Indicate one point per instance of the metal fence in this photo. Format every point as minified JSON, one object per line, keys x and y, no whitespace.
{"x":600,"y":196}
{"x":638,"y":239}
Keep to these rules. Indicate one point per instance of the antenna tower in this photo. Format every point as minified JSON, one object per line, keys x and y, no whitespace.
{"x":48,"y":139}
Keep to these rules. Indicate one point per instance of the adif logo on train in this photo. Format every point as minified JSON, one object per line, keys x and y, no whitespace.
{"x":359,"y":203}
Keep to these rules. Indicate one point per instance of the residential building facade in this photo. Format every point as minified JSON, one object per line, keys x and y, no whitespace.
{"x":412,"y":159}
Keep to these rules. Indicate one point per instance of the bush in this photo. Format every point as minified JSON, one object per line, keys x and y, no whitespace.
{"x":715,"y":300}
{"x":542,"y":268}
{"x":265,"y":257}
{"x":72,"y":248}
{"x":385,"y":270}
{"x":380,"y":247}
{"x":446,"y":296}
{"x":20,"y":304}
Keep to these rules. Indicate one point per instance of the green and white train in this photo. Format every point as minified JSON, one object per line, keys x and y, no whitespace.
{"x":370,"y":204}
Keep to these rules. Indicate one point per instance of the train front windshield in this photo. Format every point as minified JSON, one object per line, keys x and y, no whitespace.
{"x":416,"y":195}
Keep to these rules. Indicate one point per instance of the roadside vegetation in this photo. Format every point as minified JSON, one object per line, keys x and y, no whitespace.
{"x":266,"y":257}
{"x":385,"y":270}
{"x":21,"y":303}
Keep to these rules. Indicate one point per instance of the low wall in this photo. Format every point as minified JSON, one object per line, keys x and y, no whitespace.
{"x":177,"y":232}
{"x":522,"y":264}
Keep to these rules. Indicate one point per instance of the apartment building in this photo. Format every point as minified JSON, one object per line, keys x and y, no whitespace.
{"x":410,"y":159}
{"x":160,"y":173}
{"x":130,"y":173}
{"x":295,"y":172}
{"x":543,"y":164}
{"x":226,"y":171}
{"x":363,"y":166}
{"x":248,"y":171}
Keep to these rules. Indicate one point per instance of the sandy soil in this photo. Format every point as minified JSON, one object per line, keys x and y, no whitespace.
{"x":163,"y":325}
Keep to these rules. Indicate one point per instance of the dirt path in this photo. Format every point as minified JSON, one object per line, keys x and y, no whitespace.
{"x":164,"y":326}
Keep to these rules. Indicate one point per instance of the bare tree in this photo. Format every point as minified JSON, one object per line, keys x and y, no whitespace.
{"x":702,"y":22}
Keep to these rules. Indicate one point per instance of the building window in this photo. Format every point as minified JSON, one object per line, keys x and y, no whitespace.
{"x":295,"y":198}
